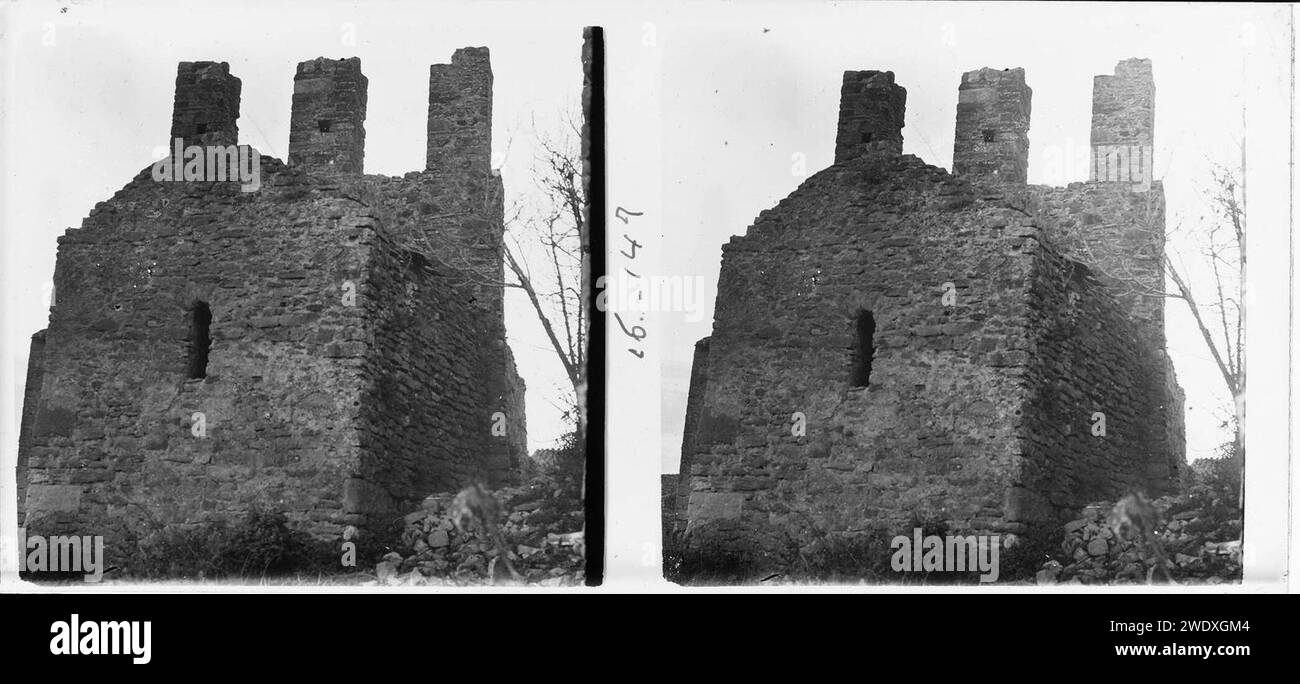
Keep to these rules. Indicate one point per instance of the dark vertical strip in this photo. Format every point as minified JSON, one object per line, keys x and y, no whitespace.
{"x":593,"y":112}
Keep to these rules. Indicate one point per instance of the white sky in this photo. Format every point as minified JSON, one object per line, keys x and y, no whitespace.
{"x":744,"y":93}
{"x":88,"y":98}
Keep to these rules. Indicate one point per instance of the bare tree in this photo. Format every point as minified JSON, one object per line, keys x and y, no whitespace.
{"x":545,"y":250}
{"x":1214,"y":300}
{"x":546,"y":256}
{"x":1220,"y":316}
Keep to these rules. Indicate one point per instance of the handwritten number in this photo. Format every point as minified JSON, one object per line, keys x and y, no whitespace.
{"x":622,"y":214}
{"x":633,"y":333}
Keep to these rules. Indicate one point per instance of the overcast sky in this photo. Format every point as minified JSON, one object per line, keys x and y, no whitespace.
{"x":745,"y":93}
{"x":88,"y":103}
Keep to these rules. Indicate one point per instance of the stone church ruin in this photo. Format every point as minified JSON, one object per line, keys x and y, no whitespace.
{"x":330,"y":346}
{"x":894,"y":340}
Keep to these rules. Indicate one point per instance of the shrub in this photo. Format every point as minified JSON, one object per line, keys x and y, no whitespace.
{"x":701,"y":565}
{"x":258,"y":546}
{"x":1023,"y":560}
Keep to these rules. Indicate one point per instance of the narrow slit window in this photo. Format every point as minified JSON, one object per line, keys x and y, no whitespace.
{"x":864,"y":348}
{"x":990,"y":135}
{"x":200,"y":340}
{"x":324,"y":125}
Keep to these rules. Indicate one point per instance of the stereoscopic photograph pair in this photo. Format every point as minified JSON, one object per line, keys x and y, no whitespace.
{"x":929,"y":294}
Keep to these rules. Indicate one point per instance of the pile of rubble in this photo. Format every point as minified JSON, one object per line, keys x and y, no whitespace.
{"x":540,"y":535}
{"x":1139,"y":542}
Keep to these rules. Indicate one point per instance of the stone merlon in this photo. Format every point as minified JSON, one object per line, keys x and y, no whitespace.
{"x":871,"y":114}
{"x":327,"y":127}
{"x":1123,"y":124}
{"x":992,"y":138}
{"x":460,"y":113}
{"x":207,"y":104}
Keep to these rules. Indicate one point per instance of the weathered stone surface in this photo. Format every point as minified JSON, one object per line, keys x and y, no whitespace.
{"x":1127,"y":547}
{"x":52,"y":498}
{"x":27,"y":422}
{"x":967,"y":336}
{"x":872,"y":109}
{"x":715,"y":505}
{"x":992,"y":139}
{"x":460,"y":113}
{"x":207,"y":104}
{"x":540,"y":531}
{"x":354,"y":354}
{"x":1123,"y":124}
{"x":327,"y":127}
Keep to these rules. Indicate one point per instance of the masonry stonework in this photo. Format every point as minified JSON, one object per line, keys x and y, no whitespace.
{"x":350,"y":340}
{"x":1123,"y":124}
{"x":207,"y":104}
{"x":460,"y":113}
{"x":327,"y":125}
{"x":894,"y":342}
{"x":992,"y":137}
{"x":872,"y":108}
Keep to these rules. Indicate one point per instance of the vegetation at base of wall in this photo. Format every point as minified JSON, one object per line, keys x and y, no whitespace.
{"x":1192,"y":537}
{"x":1214,"y":489}
{"x":569,"y":468}
{"x":687,"y":564}
{"x":259,"y":546}
{"x":828,"y":559}
{"x":1020,"y":561}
